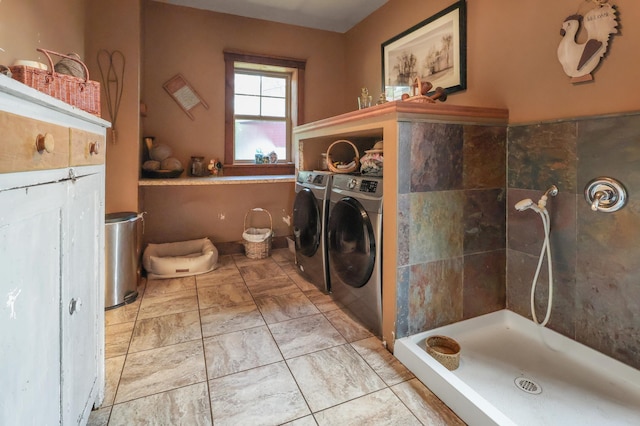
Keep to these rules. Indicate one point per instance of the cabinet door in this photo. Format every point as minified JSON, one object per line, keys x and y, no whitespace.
{"x":83,"y":250}
{"x":30,"y":275}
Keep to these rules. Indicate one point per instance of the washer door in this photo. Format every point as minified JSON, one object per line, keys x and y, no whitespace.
{"x":352,"y":250}
{"x":306,"y":223}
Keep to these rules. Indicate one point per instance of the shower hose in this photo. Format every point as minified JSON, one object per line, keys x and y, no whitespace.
{"x":546,"y":249}
{"x":541,"y":209}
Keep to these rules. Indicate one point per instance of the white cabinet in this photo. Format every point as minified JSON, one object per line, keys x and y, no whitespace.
{"x":30,"y":305}
{"x":51,"y":259}
{"x":82,"y":256}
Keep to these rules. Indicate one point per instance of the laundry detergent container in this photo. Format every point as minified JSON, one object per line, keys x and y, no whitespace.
{"x":122,"y":258}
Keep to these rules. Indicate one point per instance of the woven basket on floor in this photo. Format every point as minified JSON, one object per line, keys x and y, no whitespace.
{"x":257,"y":241}
{"x":445,"y":350}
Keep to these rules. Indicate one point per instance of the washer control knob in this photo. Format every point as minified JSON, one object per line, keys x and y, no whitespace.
{"x":352,"y":183}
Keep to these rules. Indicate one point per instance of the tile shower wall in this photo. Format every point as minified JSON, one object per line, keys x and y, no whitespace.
{"x":596,"y":256}
{"x":451,"y":223}
{"x":451,"y":227}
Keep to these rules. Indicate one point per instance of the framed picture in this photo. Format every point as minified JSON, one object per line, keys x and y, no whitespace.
{"x":435,"y":50}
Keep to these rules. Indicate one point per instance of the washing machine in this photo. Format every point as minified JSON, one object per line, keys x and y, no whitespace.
{"x":354,"y":242}
{"x":310,"y":212}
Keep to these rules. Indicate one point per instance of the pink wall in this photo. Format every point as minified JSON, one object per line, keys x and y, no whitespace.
{"x":115,"y":25}
{"x":179,"y":213}
{"x":191,"y":42}
{"x":511,"y":57}
{"x":27,"y":25}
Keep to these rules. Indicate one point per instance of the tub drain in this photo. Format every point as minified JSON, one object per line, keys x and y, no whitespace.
{"x":528,"y":385}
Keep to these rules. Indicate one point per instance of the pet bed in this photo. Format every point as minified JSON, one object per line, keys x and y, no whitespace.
{"x":180,"y":259}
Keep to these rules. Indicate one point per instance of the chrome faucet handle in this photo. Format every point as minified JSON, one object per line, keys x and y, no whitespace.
{"x":605,"y":195}
{"x":598,"y":198}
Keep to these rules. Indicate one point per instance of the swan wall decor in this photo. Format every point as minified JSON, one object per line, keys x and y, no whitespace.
{"x":579,"y":60}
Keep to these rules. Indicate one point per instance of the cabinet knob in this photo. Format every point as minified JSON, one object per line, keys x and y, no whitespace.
{"x":74,"y":306}
{"x":45,"y":143}
{"x":94,"y":148}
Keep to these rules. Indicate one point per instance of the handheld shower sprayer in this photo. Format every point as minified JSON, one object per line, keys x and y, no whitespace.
{"x":525,"y":204}
{"x":541,"y":209}
{"x":528,"y":203}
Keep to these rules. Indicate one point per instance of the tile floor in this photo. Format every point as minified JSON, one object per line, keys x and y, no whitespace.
{"x":252,"y":343}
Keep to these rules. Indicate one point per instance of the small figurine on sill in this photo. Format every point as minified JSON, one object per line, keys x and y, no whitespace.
{"x":215,"y":167}
{"x":259,"y":156}
{"x":364,"y":101}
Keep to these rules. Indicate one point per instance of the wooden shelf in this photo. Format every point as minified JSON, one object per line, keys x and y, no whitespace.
{"x":224,"y":180}
{"x":404,"y":110}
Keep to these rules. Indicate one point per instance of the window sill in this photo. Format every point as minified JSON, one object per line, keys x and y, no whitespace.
{"x":258,"y":169}
{"x":214,"y":180}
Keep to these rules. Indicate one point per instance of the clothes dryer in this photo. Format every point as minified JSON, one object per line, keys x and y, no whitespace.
{"x":354,"y":242}
{"x":310,"y":210}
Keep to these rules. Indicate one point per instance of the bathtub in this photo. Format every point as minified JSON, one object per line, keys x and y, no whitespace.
{"x":513,"y":372}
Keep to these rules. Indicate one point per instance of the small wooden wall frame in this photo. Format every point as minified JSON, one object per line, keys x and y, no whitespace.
{"x":184,"y":95}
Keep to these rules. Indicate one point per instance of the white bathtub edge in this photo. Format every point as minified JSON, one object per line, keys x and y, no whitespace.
{"x":468,"y":404}
{"x":464,"y":401}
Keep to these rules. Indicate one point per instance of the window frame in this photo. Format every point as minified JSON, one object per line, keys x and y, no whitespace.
{"x":286,"y":119}
{"x":296,"y":113}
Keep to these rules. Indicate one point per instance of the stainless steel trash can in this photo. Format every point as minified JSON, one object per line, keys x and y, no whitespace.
{"x":122,"y":258}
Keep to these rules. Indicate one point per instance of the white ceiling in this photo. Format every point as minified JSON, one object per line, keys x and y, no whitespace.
{"x":330,"y":15}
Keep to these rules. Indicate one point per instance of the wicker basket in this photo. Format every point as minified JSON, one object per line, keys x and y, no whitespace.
{"x":445,"y":350}
{"x":257,"y":241}
{"x":351,"y":167}
{"x":79,"y":92}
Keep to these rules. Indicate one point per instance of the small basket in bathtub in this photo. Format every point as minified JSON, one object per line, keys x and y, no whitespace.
{"x":444,"y":349}
{"x":257,"y":241}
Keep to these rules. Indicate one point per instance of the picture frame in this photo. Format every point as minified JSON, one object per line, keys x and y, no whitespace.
{"x":434,"y":50}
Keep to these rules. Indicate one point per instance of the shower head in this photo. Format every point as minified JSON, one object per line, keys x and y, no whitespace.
{"x":525,"y":204}
{"x":553,"y":191}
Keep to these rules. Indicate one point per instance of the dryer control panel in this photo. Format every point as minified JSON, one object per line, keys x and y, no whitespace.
{"x":318,"y":179}
{"x":369,"y":186}
{"x":307,"y":177}
{"x":358,"y":184}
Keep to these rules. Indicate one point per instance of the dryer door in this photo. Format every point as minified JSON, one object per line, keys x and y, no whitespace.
{"x":351,"y":243}
{"x":306,"y":223}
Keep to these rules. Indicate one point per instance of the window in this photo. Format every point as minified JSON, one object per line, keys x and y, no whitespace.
{"x":263,"y":104}
{"x":261,"y":115}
